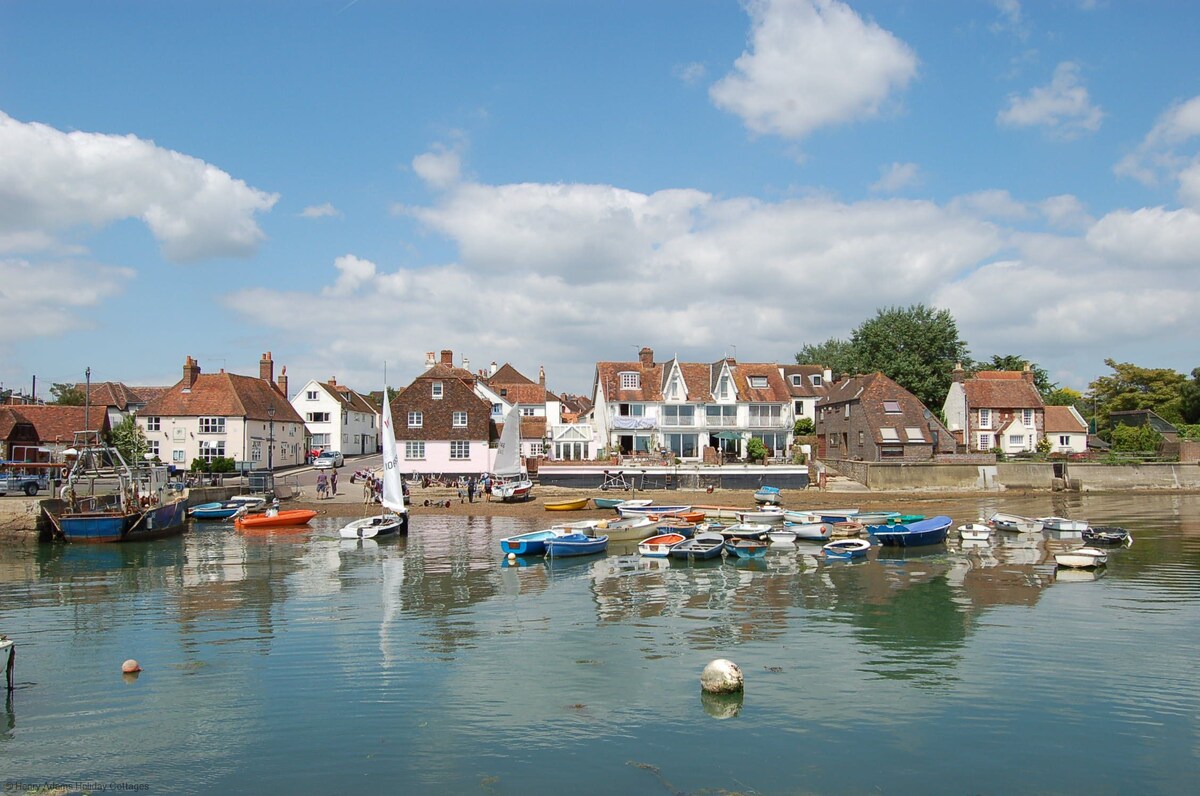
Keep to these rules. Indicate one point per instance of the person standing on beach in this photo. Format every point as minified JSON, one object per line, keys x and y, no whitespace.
{"x":471,"y":489}
{"x":333,"y":483}
{"x":322,"y":485}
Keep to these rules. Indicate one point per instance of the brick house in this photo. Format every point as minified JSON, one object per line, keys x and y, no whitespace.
{"x":54,"y":427}
{"x":872,"y":418}
{"x":441,"y":423}
{"x":210,"y":415}
{"x":995,"y":409}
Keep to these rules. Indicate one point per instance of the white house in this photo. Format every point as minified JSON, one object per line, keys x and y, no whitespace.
{"x":1066,"y":429}
{"x":337,"y":418}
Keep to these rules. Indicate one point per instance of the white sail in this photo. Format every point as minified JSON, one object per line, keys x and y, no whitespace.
{"x":508,"y":452}
{"x":393,"y":490}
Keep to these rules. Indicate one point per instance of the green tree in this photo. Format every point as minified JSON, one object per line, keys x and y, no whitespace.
{"x":1135,"y":439}
{"x":67,"y":395}
{"x":1064,"y":396}
{"x":756,"y":449}
{"x":837,"y":355}
{"x":917,"y":347}
{"x":1132,"y":387}
{"x":1189,"y":394}
{"x":804,"y":427}
{"x":129,"y":439}
{"x":1041,"y":378}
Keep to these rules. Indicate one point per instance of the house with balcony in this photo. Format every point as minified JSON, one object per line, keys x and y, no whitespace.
{"x":337,"y":418}
{"x":1066,"y":429}
{"x":210,"y":415}
{"x":441,"y":424}
{"x":995,"y":409}
{"x":872,"y":418}
{"x":688,"y":408}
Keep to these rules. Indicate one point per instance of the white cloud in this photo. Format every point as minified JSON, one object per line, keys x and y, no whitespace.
{"x":1065,"y":212}
{"x":1150,"y":237}
{"x":326,"y":210}
{"x":990,"y":204}
{"x":1011,"y":19}
{"x":896,"y":177}
{"x":1160,"y":154}
{"x":440,"y":168}
{"x":690,"y":73}
{"x":811,"y":64}
{"x":36,"y":291}
{"x":353,"y":272}
{"x":52,"y":181}
{"x":1063,"y":107}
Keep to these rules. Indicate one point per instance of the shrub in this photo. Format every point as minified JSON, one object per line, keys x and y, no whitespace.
{"x":804,"y":427}
{"x":756,"y":450}
{"x":1137,"y":439}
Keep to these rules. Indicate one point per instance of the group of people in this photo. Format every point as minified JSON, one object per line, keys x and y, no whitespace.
{"x":326,"y":484}
{"x":482,"y":485}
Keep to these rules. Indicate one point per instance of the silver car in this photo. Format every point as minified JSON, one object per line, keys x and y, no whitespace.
{"x":328,"y":460}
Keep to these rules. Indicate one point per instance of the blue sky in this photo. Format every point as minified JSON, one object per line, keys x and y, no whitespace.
{"x":556,"y":183}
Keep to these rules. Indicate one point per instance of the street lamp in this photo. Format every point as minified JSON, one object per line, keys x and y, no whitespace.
{"x":271,"y":441}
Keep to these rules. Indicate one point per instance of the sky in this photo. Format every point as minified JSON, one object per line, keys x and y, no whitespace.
{"x":552,"y":183}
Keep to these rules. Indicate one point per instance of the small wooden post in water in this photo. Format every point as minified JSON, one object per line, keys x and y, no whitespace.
{"x":12,"y":657}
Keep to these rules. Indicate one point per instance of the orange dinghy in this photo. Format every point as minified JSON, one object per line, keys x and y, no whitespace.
{"x":278,"y":520}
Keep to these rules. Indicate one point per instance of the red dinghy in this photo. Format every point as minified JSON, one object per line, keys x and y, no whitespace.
{"x":280,"y":519}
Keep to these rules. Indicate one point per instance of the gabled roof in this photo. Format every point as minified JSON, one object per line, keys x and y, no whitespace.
{"x":871,"y":392}
{"x":805,"y":389}
{"x":440,"y":371}
{"x":1002,"y":389}
{"x":224,"y":395}
{"x":608,"y":375}
{"x":507,"y":374}
{"x":59,"y":423}
{"x":9,"y":419}
{"x":348,"y":398}
{"x":700,"y":380}
{"x":1064,"y":420}
{"x":775,"y":391}
{"x":111,"y":393}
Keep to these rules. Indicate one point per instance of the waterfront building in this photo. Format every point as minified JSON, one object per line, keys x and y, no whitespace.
{"x":872,"y":418}
{"x":995,"y":409}
{"x":337,"y":418}
{"x":441,"y":424}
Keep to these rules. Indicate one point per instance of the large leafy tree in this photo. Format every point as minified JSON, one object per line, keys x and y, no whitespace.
{"x":1132,"y":387}
{"x":1041,"y":378}
{"x":67,"y":395}
{"x":915,"y":346}
{"x":1189,"y":395}
{"x":837,"y":355}
{"x":128,"y":438}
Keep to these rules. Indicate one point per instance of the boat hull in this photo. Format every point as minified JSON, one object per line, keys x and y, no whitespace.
{"x":847,"y":548}
{"x":813,"y":531}
{"x":104,"y":527}
{"x":700,"y":548}
{"x":630,"y":530}
{"x":283,"y":519}
{"x":660,"y":546}
{"x":567,"y":505}
{"x":1081,"y":558}
{"x":575,"y":544}
{"x":1107,"y":536}
{"x":646,"y":511}
{"x":917,"y":534}
{"x":372,"y":527}
{"x":746,"y":548}
{"x":215,"y":511}
{"x":527,"y":544}
{"x":1062,"y":524}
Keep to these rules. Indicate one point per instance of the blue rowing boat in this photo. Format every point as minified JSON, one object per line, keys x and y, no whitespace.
{"x":219,"y":510}
{"x":912,"y":534}
{"x":529,"y":544}
{"x":746,"y":548}
{"x":575,"y":544}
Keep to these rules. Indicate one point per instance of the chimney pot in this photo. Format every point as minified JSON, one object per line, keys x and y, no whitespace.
{"x":266,"y":368}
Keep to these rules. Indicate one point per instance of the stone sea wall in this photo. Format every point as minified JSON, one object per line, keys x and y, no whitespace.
{"x":899,"y":476}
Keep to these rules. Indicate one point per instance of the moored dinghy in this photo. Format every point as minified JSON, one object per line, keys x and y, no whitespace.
{"x":1081,"y":558}
{"x":974,"y":532}
{"x":700,"y":547}
{"x":746,"y":548}
{"x":916,"y":534}
{"x":575,"y":544}
{"x":529,"y":544}
{"x":1014,"y":523}
{"x":768,"y":514}
{"x":628,"y":530}
{"x":1063,"y":524}
{"x":847,"y":548}
{"x":218,"y":510}
{"x":660,"y":546}
{"x":811,"y":531}
{"x":1107,"y":536}
{"x":394,"y":518}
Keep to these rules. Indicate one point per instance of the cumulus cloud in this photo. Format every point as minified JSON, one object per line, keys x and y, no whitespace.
{"x":1163,"y":153}
{"x":52,"y":181}
{"x":440,"y":168}
{"x":320,"y":211}
{"x":690,"y":73}
{"x":811,"y":64}
{"x":29,"y":290}
{"x":1065,"y":212}
{"x":990,"y":204}
{"x":353,"y":272}
{"x":1063,"y":107}
{"x":896,"y":177}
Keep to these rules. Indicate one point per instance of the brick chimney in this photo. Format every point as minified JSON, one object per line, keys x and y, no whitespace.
{"x":542,"y":376}
{"x":958,"y":374}
{"x":266,"y":368}
{"x":447,"y":357}
{"x":646,"y":356}
{"x":283,"y":381}
{"x":1027,"y":374}
{"x":191,"y":371}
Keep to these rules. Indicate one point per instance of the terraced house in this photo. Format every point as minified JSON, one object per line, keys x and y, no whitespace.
{"x":697,"y":411}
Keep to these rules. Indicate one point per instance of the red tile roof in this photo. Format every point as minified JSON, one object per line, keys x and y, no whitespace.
{"x":507,"y":374}
{"x":224,"y":395}
{"x":1001,"y":389}
{"x":59,"y":423}
{"x":1061,"y":420}
{"x":699,"y":378}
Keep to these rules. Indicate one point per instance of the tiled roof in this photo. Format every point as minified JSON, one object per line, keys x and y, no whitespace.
{"x":871,"y":392}
{"x":699,"y":378}
{"x":224,"y":395}
{"x":111,"y":393}
{"x":608,"y":375}
{"x":1001,"y":389}
{"x":437,"y":414}
{"x":507,"y":374}
{"x":1061,"y":420}
{"x":805,"y":389}
{"x":9,"y":420}
{"x":59,"y":423}
{"x":522,"y":393}
{"x":776,"y":390}
{"x":440,"y":371}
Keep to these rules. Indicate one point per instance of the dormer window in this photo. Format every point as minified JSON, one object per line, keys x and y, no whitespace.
{"x":631,"y":380}
{"x":817,"y":381}
{"x":797,"y":380}
{"x":437,"y":391}
{"x":758,"y":382}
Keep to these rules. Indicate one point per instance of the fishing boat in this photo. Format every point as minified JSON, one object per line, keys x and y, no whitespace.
{"x":768,"y":494}
{"x":916,"y":534}
{"x":974,"y":532}
{"x":837,"y":515}
{"x":1081,"y":558}
{"x":1015,"y":523}
{"x":512,"y":482}
{"x":567,"y":505}
{"x":575,"y":544}
{"x":767,"y":514}
{"x":700,"y":547}
{"x":218,"y":510}
{"x":1107,"y":536}
{"x":273,"y":518}
{"x":106,"y":499}
{"x":632,"y":529}
{"x":646,"y":509}
{"x":746,"y":548}
{"x":847,"y":548}
{"x":530,"y":544}
{"x":1063,"y":524}
{"x":812,"y":531}
{"x":394,"y":518}
{"x":660,"y":546}
{"x":746,"y":530}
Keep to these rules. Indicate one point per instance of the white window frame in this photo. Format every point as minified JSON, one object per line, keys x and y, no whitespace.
{"x":458,"y":420}
{"x":1016,"y":440}
{"x":887,"y":404}
{"x":152,"y":446}
{"x":817,"y":381}
{"x":528,"y":411}
{"x":414,"y":449}
{"x":438,"y":391}
{"x":460,"y":449}
{"x":416,"y":419}
{"x":630,"y":380}
{"x":317,"y":417}
{"x":758,"y":382}
{"x":985,"y":418}
{"x":986,"y":443}
{"x":311,"y":395}
{"x":1027,"y":418}
{"x":1064,"y":440}
{"x":889,"y":434}
{"x":179,"y":456}
{"x":211,"y":425}
{"x":154,"y":424}
{"x":914,"y":434}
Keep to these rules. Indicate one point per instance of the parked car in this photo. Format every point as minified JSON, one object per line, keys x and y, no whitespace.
{"x":329,"y":459}
{"x":17,"y":483}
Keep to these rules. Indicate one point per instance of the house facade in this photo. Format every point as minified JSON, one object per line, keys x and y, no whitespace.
{"x":211,"y":415}
{"x":806,"y":384}
{"x":685,"y":408}
{"x":995,"y":409}
{"x":1066,"y":429}
{"x":872,"y":418}
{"x":41,"y":432}
{"x":337,"y":418}
{"x":441,"y":424}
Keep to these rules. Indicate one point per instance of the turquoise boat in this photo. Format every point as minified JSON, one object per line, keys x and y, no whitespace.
{"x":528,"y":544}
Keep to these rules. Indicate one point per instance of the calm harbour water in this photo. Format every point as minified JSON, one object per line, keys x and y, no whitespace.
{"x":303,"y":664}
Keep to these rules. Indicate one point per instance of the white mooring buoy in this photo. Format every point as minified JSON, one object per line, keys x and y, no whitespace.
{"x":721,"y":677}
{"x":130,"y":667}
